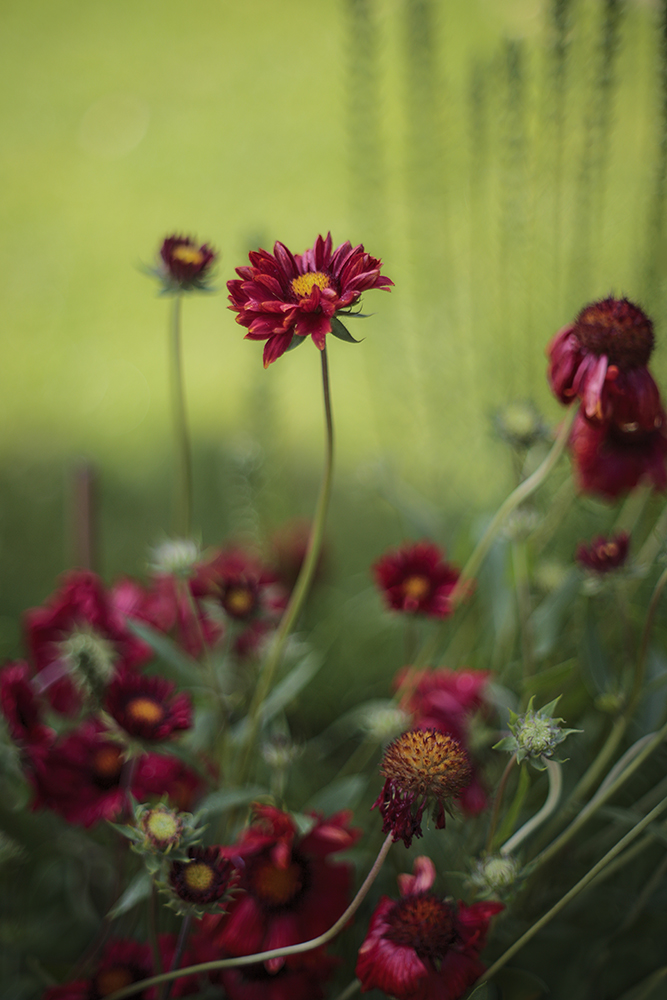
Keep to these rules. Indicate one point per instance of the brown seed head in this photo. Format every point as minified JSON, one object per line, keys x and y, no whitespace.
{"x":426,"y":762}
{"x":617,"y":328}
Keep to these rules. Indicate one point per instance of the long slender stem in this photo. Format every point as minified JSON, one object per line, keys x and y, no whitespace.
{"x":575,"y":890}
{"x":497,"y":802}
{"x":555,"y":788}
{"x":265,"y":956}
{"x":304,"y":580}
{"x":182,"y":520}
{"x":153,"y":935}
{"x":178,"y":953}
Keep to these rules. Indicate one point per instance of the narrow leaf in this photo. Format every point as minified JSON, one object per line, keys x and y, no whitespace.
{"x":167,"y":650}
{"x":344,"y":793}
{"x":220,"y":802}
{"x":341,"y":332}
{"x":138,"y":889}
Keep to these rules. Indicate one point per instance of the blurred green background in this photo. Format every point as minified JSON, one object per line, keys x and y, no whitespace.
{"x":506,"y":160}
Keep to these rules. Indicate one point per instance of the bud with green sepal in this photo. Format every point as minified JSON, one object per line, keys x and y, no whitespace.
{"x":161,"y":834}
{"x":496,"y":876}
{"x":535,"y":735}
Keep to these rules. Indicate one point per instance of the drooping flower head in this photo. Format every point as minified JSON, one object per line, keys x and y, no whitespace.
{"x":603,"y":555}
{"x":424,"y":947}
{"x":422,"y":767}
{"x":146,"y":707}
{"x":415,"y":578}
{"x":283,"y":295}
{"x":610,"y":461}
{"x":185,"y":266}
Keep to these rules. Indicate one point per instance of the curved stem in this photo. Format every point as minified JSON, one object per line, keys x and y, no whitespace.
{"x":182,"y":520}
{"x":497,"y":802}
{"x":265,"y":956}
{"x":555,"y":789}
{"x":304,"y":580}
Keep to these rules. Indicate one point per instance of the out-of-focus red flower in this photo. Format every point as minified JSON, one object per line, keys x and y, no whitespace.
{"x":423,"y":947}
{"x":254,"y":982}
{"x":609,"y":461}
{"x":603,"y":555}
{"x":283,"y":295}
{"x":423,"y":767}
{"x":446,"y":700}
{"x":244,"y":588}
{"x":146,"y":707}
{"x":289,"y":545}
{"x":77,"y":639}
{"x":293,"y":892}
{"x":23,"y":711}
{"x":415,"y":578}
{"x":185,"y":265}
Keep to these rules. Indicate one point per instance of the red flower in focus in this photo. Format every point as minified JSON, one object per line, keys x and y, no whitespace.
{"x":146,"y":707}
{"x":609,"y":461}
{"x":446,"y":700}
{"x":416,"y":579}
{"x":423,"y":947}
{"x":185,"y":266}
{"x":292,"y":891}
{"x":603,"y":555}
{"x":283,"y":295}
{"x":22,"y":710}
{"x":206,"y":878}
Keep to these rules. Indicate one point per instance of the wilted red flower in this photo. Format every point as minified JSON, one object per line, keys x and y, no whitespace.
{"x":146,"y":707}
{"x":206,"y":878}
{"x":610,"y":461}
{"x":603,"y":554}
{"x":423,"y":947}
{"x":23,"y":711}
{"x":415,"y":578}
{"x":284,"y":295}
{"x":185,"y":266}
{"x":292,"y":891}
{"x":421,"y":767}
{"x":446,"y":700}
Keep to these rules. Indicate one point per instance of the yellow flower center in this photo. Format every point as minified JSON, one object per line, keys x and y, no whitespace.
{"x":145,"y":710}
{"x":107,"y":762}
{"x":277,"y":886}
{"x":113,"y":979}
{"x":416,"y":587}
{"x":303,"y":285}
{"x":188,"y":255}
{"x":239,"y":600}
{"x":198,"y":876}
{"x":610,"y":550}
{"x":163,"y":825}
{"x":427,"y":762}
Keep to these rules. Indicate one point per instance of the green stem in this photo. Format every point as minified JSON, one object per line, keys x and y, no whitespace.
{"x":646,"y":988}
{"x":522,"y":588}
{"x":153,"y":935}
{"x":265,"y":956}
{"x":575,"y":890}
{"x":553,"y":798}
{"x":183,"y":517}
{"x":497,"y":802}
{"x":349,"y":990}
{"x":304,"y":580}
{"x":178,"y":953}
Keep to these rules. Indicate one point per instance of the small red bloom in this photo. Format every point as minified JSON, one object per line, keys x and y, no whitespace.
{"x":610,"y":462}
{"x":146,"y":707}
{"x":206,"y":878}
{"x":283,"y":295}
{"x":603,"y":555}
{"x":243,"y":587}
{"x":422,"y":947}
{"x":23,"y":711}
{"x":292,"y":891}
{"x":185,"y":265}
{"x":416,"y":579}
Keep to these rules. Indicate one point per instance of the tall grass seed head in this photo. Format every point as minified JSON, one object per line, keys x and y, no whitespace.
{"x":535,"y":735}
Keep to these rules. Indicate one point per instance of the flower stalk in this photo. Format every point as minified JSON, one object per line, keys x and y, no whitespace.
{"x":183,"y":516}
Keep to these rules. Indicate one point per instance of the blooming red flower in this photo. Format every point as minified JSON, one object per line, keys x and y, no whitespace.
{"x":609,"y":461}
{"x":23,"y":711}
{"x":421,"y":767}
{"x":423,"y":947}
{"x":415,"y":578}
{"x":186,"y":266}
{"x":285,"y":295}
{"x":292,"y":891}
{"x":206,"y":878}
{"x":603,"y":555}
{"x":289,"y":545}
{"x":242,"y":586}
{"x":146,"y":707}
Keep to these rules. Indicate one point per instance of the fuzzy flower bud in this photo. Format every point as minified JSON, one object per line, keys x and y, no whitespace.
{"x":383,"y":721}
{"x":175,"y":557}
{"x":494,"y":875}
{"x":535,"y":735}
{"x":90,"y":660}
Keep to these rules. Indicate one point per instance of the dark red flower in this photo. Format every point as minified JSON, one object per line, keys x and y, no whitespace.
{"x":146,"y":707}
{"x":23,"y":711}
{"x":422,"y":767}
{"x":601,"y":358}
{"x":415,"y":578}
{"x":186,"y":266}
{"x":446,"y":700}
{"x":292,"y":892}
{"x":206,"y":878}
{"x":284,"y":295}
{"x":242,"y":586}
{"x":255,"y":982}
{"x":423,"y":947}
{"x":603,"y":555}
{"x":289,"y":545}
{"x":609,"y":461}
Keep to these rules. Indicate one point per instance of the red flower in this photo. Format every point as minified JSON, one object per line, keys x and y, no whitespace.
{"x":241,"y":585}
{"x":416,"y":579}
{"x":22,"y":710}
{"x":422,"y":767}
{"x":610,"y":461}
{"x":292,"y":891}
{"x":603,"y":555}
{"x":284,"y":295}
{"x":422,"y":947}
{"x":289,"y":546}
{"x":146,"y":706}
{"x":206,"y":878}
{"x":255,"y":982}
{"x":185,"y":266}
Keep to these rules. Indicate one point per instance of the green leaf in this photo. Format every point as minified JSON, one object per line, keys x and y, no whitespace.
{"x":546,"y":620}
{"x":341,"y":332}
{"x":343,"y":793}
{"x":517,"y":984}
{"x":552,"y":677}
{"x":167,"y":650}
{"x":296,"y":341}
{"x":283,"y":693}
{"x":509,"y":822}
{"x":220,"y":802}
{"x":595,"y":664}
{"x":138,"y":889}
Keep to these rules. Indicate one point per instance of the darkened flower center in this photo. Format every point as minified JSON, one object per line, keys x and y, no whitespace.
{"x":277,"y":886}
{"x":424,"y":923}
{"x":188,"y":255}
{"x":619,"y":329}
{"x":198,"y":876}
{"x":238,"y":601}
{"x":303,"y":285}
{"x":144,"y":709}
{"x":110,"y":980}
{"x":416,"y":587}
{"x":427,"y":762}
{"x":106,"y":765}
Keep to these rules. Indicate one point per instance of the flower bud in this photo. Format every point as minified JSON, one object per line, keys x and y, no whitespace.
{"x":535,"y":735}
{"x":494,"y":875}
